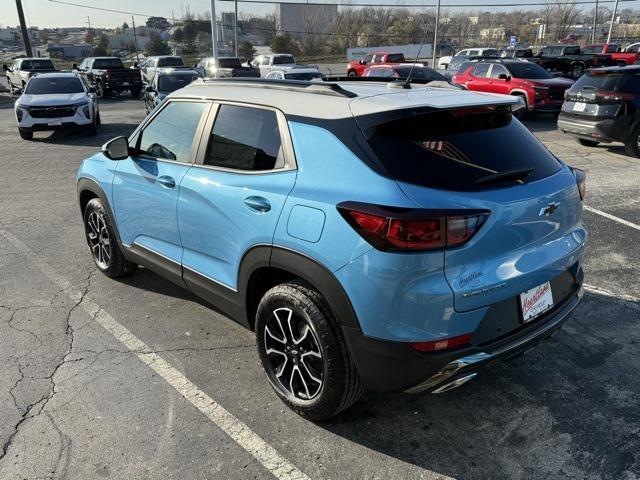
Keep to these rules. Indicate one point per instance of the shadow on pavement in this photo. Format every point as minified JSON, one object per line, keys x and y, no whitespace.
{"x":541,"y":122}
{"x":567,"y":409}
{"x":77,"y":136}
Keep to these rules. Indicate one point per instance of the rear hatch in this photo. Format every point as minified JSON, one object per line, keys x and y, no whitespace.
{"x":481,"y":158}
{"x":597,"y":95}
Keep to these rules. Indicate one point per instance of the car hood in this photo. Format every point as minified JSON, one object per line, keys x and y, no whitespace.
{"x":51,"y":100}
{"x":552,"y":82}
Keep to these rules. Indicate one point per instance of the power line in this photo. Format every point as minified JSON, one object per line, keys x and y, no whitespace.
{"x":104,"y":9}
{"x":413,"y":5}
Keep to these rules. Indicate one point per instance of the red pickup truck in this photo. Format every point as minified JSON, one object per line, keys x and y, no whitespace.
{"x":356,"y":68}
{"x":620,"y":57}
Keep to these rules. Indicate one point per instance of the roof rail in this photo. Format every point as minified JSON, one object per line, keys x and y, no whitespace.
{"x":320,"y":88}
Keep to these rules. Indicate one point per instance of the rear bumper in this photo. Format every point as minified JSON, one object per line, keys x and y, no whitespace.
{"x":393,"y":366}
{"x":596,"y":130}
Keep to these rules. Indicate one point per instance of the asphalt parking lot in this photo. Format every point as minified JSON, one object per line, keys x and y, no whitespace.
{"x":138,"y":379}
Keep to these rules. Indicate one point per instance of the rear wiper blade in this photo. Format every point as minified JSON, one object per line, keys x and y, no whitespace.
{"x":516,"y":175}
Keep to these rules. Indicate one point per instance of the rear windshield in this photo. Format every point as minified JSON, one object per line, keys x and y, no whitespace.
{"x":170,"y":83}
{"x":33,"y":65}
{"x":283,"y":59}
{"x":450,"y":150}
{"x":43,"y":85}
{"x":170,"y":62}
{"x":598,"y":81}
{"x":528,"y":70}
{"x":456,"y":62}
{"x":229,"y":63}
{"x":395,"y":58}
{"x":490,"y":52}
{"x":421,"y":73}
{"x":106,"y":63}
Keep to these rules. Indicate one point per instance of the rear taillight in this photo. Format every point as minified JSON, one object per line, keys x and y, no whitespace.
{"x":442,"y":344}
{"x":399,"y":229}
{"x":612,"y":96}
{"x":581,"y":180}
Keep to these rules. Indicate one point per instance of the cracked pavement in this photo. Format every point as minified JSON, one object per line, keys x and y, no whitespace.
{"x":75,"y":403}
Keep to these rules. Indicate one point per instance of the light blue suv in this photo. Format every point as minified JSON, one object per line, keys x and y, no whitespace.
{"x":373,"y":237}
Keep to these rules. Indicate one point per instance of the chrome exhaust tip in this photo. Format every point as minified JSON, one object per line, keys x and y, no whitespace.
{"x":455,"y":384}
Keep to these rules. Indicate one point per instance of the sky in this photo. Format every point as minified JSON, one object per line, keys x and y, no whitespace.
{"x":45,"y":13}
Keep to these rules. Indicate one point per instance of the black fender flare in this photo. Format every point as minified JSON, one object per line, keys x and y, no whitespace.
{"x":89,"y":185}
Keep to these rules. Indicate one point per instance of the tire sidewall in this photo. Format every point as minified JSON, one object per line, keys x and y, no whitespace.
{"x":95,"y":205}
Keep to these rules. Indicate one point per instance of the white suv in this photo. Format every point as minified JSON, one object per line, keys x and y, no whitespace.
{"x":55,"y":100}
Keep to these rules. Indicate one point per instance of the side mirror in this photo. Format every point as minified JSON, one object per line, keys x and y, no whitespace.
{"x":74,"y":66}
{"x":91,"y":90}
{"x":116,"y":149}
{"x":504,"y":76}
{"x":149,"y":89}
{"x":5,"y":67}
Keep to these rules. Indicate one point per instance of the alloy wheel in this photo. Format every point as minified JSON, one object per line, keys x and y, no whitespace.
{"x":294,"y":354}
{"x":99,"y":239}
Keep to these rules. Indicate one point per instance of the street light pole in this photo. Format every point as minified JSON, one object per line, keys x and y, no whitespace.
{"x":435,"y":36}
{"x":25,"y":32}
{"x":235,"y":28}
{"x":613,"y":16}
{"x":595,"y":23}
{"x":214,"y":31}
{"x":135,"y":37}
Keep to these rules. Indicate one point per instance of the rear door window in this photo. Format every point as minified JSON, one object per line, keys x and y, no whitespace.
{"x":245,"y":138}
{"x":498,"y":70}
{"x":481,"y":70}
{"x":453,"y":149}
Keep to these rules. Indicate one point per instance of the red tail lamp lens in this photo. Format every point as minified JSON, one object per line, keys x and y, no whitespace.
{"x":442,"y":344}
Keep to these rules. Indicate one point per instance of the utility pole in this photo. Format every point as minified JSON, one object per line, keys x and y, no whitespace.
{"x":214,"y":31}
{"x":89,"y":22}
{"x":595,"y":23}
{"x":135,"y":37}
{"x":435,"y":36}
{"x":235,"y":28}
{"x":25,"y":32}
{"x":613,"y":16}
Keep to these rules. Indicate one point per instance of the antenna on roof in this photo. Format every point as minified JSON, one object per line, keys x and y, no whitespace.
{"x":424,"y":39}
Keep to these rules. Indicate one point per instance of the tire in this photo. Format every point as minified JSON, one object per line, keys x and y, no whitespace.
{"x":101,"y":91}
{"x":351,"y":73}
{"x":632,"y":145}
{"x":135,"y":93}
{"x":11,"y":87}
{"x":103,"y":243}
{"x":587,"y":143}
{"x":26,"y":134}
{"x":92,"y":130}
{"x":522,"y":113}
{"x":98,"y":119}
{"x":320,"y":386}
{"x":576,"y":71}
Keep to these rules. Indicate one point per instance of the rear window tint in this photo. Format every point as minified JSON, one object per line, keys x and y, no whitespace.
{"x":170,"y":62}
{"x":598,"y":81}
{"x":395,"y":58}
{"x":229,"y":63}
{"x":450,"y":150}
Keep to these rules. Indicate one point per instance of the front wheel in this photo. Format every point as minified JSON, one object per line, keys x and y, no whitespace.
{"x":577,"y":71}
{"x":632,"y":145}
{"x":303,"y":353}
{"x":102,"y":241}
{"x":351,"y":73}
{"x":135,"y":92}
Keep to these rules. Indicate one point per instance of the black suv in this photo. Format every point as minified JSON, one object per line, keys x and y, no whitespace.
{"x":603,"y":106}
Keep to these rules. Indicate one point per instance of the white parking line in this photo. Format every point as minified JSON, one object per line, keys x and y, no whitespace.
{"x":609,"y":293}
{"x":264,"y":453}
{"x":611,"y":217}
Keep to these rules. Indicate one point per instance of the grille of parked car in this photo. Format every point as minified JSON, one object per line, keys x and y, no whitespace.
{"x":52,"y":112}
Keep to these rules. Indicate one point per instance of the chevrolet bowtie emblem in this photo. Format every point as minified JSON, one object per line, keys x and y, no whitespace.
{"x":549,"y":209}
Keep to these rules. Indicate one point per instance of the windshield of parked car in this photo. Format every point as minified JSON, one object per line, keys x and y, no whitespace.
{"x":303,"y":75}
{"x":170,"y":62}
{"x":51,"y":85}
{"x":171,"y":83}
{"x":592,"y":49}
{"x":229,"y":63}
{"x":420,"y":73}
{"x":283,"y":59}
{"x":107,"y":63}
{"x":528,"y":70}
{"x":33,"y":65}
{"x":453,"y":149}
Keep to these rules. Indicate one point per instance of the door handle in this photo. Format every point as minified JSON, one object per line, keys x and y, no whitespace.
{"x":259,"y":204}
{"x":167,"y":181}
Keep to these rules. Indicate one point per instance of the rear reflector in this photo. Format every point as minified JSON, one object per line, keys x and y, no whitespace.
{"x":442,"y":344}
{"x":396,"y":229}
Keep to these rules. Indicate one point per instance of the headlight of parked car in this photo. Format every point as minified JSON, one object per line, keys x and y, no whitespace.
{"x":19,"y":114}
{"x":86,"y":111}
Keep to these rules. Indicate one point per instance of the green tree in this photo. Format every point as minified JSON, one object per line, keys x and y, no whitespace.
{"x":284,"y":44}
{"x":157,"y":46}
{"x":102,"y":48}
{"x":247,"y":51}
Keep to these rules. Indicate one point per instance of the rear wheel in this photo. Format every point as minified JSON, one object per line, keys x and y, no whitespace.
{"x":101,"y":91}
{"x":576,"y":71}
{"x":351,"y":73}
{"x":135,"y":92}
{"x":102,"y":242}
{"x":303,"y":353}
{"x":587,"y":143}
{"x":523,"y":112}
{"x":632,"y":145}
